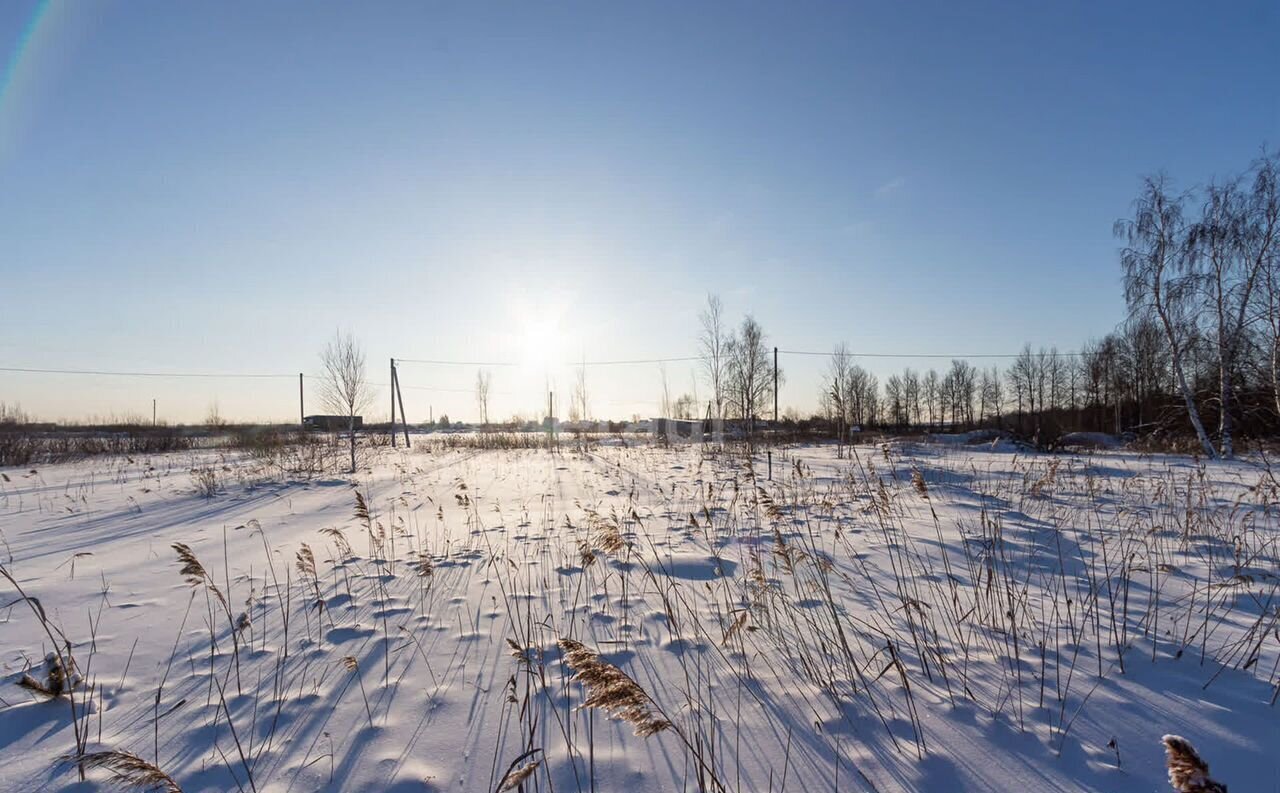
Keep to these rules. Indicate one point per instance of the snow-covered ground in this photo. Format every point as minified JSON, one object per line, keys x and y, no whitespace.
{"x":912,"y":617}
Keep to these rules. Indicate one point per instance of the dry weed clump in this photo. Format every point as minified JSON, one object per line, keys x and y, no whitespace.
{"x":58,"y":680}
{"x":205,"y":482}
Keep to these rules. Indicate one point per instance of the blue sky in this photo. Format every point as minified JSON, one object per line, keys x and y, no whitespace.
{"x":217,"y":186}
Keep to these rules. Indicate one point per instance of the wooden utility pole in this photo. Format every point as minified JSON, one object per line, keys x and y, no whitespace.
{"x":775,"y":388}
{"x":395,"y":383}
{"x":153,"y":412}
{"x":393,"y":402}
{"x":302,"y":411}
{"x":551,"y":422}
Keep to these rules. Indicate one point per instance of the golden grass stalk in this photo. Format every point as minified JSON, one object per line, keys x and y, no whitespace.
{"x":522,"y":654}
{"x":735,"y":627}
{"x":127,"y":770}
{"x":612,"y":690}
{"x":586,"y":556}
{"x":362,"y":510}
{"x":1188,"y":773}
{"x":771,"y":507}
{"x":339,"y":539}
{"x":517,"y":777}
{"x":917,"y":480}
{"x":306,"y":561}
{"x":520,"y":769}
{"x":353,"y":666}
{"x":196,"y":574}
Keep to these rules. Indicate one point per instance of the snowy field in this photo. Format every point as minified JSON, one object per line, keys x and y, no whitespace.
{"x":909,"y":617}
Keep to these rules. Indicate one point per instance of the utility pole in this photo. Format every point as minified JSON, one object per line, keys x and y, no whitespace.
{"x":403,"y":421}
{"x":775,"y":388}
{"x":302,"y":411}
{"x":153,"y":413}
{"x":393,"y":402}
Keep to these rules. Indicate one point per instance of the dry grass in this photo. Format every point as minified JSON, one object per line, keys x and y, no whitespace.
{"x":612,"y":690}
{"x":516,"y":777}
{"x":840,"y":594}
{"x":57,"y":681}
{"x":196,"y":574}
{"x":127,"y":770}
{"x":1188,"y":773}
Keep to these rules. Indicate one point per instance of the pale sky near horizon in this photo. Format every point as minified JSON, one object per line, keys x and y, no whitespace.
{"x":215,"y":187}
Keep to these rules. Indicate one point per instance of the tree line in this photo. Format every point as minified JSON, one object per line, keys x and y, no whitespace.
{"x":1197,"y":357}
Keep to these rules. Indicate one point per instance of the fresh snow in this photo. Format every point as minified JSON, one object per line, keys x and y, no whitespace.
{"x":844,"y":626}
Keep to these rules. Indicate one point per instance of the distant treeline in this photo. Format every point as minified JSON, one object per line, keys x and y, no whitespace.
{"x":29,"y":444}
{"x":1198,"y":357}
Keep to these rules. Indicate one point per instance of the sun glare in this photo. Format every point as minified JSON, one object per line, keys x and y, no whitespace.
{"x":541,"y":345}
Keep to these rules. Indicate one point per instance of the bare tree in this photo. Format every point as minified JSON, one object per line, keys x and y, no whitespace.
{"x":992,"y":393}
{"x":962,"y":385}
{"x":13,"y":414}
{"x":343,"y":388}
{"x":213,"y":419}
{"x":911,"y":394}
{"x":929,"y":390}
{"x":483,"y":380}
{"x":684,"y":406}
{"x":580,"y":392}
{"x":861,"y":393}
{"x":896,"y":403}
{"x":1229,"y":258}
{"x":1156,"y":279}
{"x":835,"y":392}
{"x":1262,"y":240}
{"x":713,"y":341}
{"x":1022,"y":377}
{"x":749,"y":372}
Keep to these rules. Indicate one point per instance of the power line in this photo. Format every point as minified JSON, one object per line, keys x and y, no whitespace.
{"x":691,"y":358}
{"x":853,"y":354}
{"x":565,"y":363}
{"x":436,"y":362}
{"x":635,"y":361}
{"x":103,"y":373}
{"x":455,"y":363}
{"x":434,"y":388}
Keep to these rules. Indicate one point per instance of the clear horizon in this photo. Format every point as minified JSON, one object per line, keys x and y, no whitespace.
{"x":185,"y":188}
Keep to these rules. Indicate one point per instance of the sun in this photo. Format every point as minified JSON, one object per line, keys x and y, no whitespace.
{"x":541,"y":345}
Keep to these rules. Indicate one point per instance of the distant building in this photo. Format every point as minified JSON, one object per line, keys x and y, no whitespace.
{"x":330,"y":423}
{"x":697,"y":430}
{"x":29,"y":426}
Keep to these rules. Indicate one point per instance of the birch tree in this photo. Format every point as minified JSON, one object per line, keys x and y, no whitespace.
{"x":1157,"y":280}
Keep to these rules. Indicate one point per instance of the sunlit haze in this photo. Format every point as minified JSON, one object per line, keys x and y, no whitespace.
{"x":191,"y":188}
